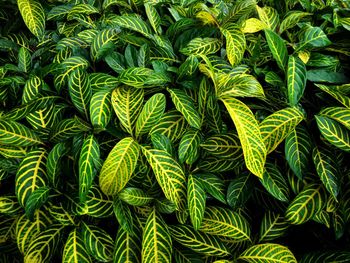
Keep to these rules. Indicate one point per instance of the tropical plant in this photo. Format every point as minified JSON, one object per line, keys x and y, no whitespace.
{"x":174,"y":131}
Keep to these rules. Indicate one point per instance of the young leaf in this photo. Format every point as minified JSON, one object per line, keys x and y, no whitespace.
{"x":235,"y":44}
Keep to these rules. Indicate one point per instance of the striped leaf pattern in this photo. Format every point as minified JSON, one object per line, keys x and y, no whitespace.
{"x":97,"y":242}
{"x":268,"y":252}
{"x":296,"y":80}
{"x":68,"y":128}
{"x":306,"y":204}
{"x":90,"y":153}
{"x":135,"y":196}
{"x":276,"y":127}
{"x":278,"y":48}
{"x":199,"y":242}
{"x":235,"y":44}
{"x":31,"y":175}
{"x":169,"y":175}
{"x":74,"y":249}
{"x":16,"y":134}
{"x":33,"y":16}
{"x":42,"y":247}
{"x":150,"y":114}
{"x":202,"y":46}
{"x":196,"y":199}
{"x":223,"y":146}
{"x":128,"y":247}
{"x":327,"y":170}
{"x":185,"y":105}
{"x":79,"y":91}
{"x":298,"y":150}
{"x":223,"y":222}
{"x":127,"y":103}
{"x":53,"y":168}
{"x":189,"y":146}
{"x":37,"y":198}
{"x":249,"y":135}
{"x":273,"y":226}
{"x":334,"y":132}
{"x":97,"y":204}
{"x":119,"y":166}
{"x":156,"y":240}
{"x":101,"y":109}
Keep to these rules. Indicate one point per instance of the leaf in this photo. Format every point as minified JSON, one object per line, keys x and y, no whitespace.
{"x":102,"y":43}
{"x":278,"y":48}
{"x":199,"y":242}
{"x":37,"y":198}
{"x":153,"y":17}
{"x":337,"y":95}
{"x":135,"y":196}
{"x":296,"y":80}
{"x":53,"y":168}
{"x":127,"y":103}
{"x":306,"y":204}
{"x":43,"y":246}
{"x":24,"y":60}
{"x":68,"y":128}
{"x":276,"y":127}
{"x":79,"y":91}
{"x":213,"y":185}
{"x":334,"y":132}
{"x":313,"y":37}
{"x":16,"y":134}
{"x":89,"y":154}
{"x":31,"y":175}
{"x":150,"y":114}
{"x":169,"y":175}
{"x":33,"y":16}
{"x":235,"y":44}
{"x":339,"y":114}
{"x":272,"y":226}
{"x":133,"y":23}
{"x":128,"y":247}
{"x":298,"y":150}
{"x":102,"y":82}
{"x":172,"y":125}
{"x":97,"y":242}
{"x":156,"y":240}
{"x":119,"y":166}
{"x":223,"y":222}
{"x":101,"y":109}
{"x":269,"y":16}
{"x":123,"y":214}
{"x":249,"y":134}
{"x":223,"y":146}
{"x":239,"y":190}
{"x":275,"y":183}
{"x":268,"y":252}
{"x":253,"y":25}
{"x":327,"y":170}
{"x":189,"y":146}
{"x":201,"y":46}
{"x":292,"y":19}
{"x":196,"y":201}
{"x":326,"y":257}
{"x":74,"y":249}
{"x":185,"y":105}
{"x":27,"y":230}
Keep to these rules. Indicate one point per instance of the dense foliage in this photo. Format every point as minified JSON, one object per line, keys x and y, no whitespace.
{"x":174,"y":131}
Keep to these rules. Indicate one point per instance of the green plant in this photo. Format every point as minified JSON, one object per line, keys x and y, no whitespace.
{"x":184,"y":131}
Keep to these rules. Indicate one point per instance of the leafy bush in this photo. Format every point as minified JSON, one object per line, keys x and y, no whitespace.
{"x":184,"y":131}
